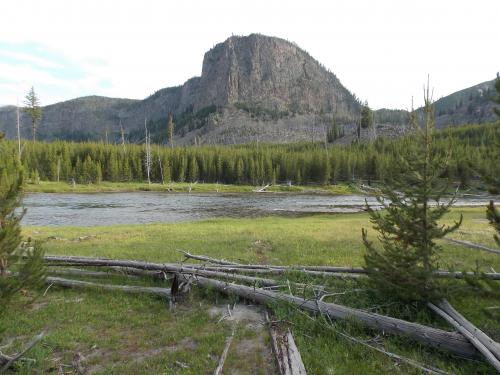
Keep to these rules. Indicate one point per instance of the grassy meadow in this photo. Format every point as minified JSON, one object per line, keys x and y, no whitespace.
{"x":124,"y":334}
{"x":183,"y":187}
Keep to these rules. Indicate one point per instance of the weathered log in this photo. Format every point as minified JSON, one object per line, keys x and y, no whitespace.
{"x":286,"y":352}
{"x":225,"y":275}
{"x":6,"y":361}
{"x":162,"y":292}
{"x":345,"y":272}
{"x":335,"y":272}
{"x":222,"y":359}
{"x":474,"y":245}
{"x":80,"y":272}
{"x":341,"y":269}
{"x":493,"y":346}
{"x":472,"y":337}
{"x":262,"y":189}
{"x":437,"y":338}
{"x":281,"y":271}
{"x":206,"y":259}
{"x":171,"y":268}
{"x":160,"y":275}
{"x":425,"y":368}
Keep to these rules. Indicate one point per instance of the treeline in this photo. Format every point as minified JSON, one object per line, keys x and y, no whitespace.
{"x":470,"y":148}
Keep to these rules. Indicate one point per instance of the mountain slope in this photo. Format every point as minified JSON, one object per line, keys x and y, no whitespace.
{"x":471,"y":105}
{"x":245,"y":80}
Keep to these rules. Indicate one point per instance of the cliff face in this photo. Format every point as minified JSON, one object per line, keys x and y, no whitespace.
{"x":272,"y":73}
{"x":260,"y":75}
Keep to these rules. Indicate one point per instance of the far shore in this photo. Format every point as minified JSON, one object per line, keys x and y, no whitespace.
{"x":185,"y":187}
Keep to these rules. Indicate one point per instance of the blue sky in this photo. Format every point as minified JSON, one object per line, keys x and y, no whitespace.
{"x":381,"y":50}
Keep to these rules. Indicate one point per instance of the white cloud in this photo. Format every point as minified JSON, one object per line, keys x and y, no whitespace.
{"x":381,"y":50}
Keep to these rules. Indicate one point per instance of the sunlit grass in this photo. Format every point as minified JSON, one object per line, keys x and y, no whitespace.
{"x":182,"y":187}
{"x":120,"y":333}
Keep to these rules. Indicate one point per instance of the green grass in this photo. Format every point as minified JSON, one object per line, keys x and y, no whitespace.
{"x":181,"y":187}
{"x":118,"y":333}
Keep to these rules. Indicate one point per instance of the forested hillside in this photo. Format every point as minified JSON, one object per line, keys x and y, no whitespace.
{"x":470,"y":147}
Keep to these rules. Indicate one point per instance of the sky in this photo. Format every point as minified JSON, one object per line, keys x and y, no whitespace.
{"x":381,"y":50}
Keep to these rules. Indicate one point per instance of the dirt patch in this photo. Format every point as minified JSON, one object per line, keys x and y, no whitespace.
{"x":250,"y":315}
{"x":129,"y":354}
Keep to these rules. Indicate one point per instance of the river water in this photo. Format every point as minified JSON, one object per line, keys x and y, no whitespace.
{"x":148,"y":207}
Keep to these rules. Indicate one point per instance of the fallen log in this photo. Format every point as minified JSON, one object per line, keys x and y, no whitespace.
{"x":281,"y":271}
{"x":173,"y":267}
{"x":162,"y":292}
{"x":474,"y":245}
{"x":471,"y":336}
{"x":262,"y":189}
{"x":80,"y":272}
{"x":493,"y":346}
{"x":225,"y":275}
{"x":222,"y":359}
{"x":205,"y":258}
{"x":6,"y":361}
{"x":160,"y":275}
{"x":434,"y":337}
{"x":425,"y":368}
{"x":286,"y":352}
{"x":264,"y":267}
{"x":170,"y":268}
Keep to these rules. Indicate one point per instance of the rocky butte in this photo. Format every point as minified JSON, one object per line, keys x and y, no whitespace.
{"x":252,"y":88}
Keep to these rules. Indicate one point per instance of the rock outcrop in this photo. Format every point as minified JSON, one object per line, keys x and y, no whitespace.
{"x":264,"y":77}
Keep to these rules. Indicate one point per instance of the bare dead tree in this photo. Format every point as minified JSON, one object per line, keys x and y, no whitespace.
{"x":147,"y":160}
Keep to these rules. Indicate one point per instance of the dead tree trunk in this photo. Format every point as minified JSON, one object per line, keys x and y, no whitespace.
{"x":448,"y":341}
{"x":474,"y":245}
{"x":471,"y":336}
{"x":207,"y":259}
{"x":162,"y":292}
{"x":286,"y":352}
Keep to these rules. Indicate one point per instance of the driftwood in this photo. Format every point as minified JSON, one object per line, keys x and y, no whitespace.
{"x":477,"y":338}
{"x":162,"y":292}
{"x":6,"y":362}
{"x":262,"y":189}
{"x":223,"y":356}
{"x":474,"y":245}
{"x":286,"y":352}
{"x":448,"y":341}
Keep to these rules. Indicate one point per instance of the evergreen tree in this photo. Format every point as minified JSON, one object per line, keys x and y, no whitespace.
{"x":493,"y":178}
{"x":366,"y":116}
{"x":192,"y":169}
{"x":497,"y":97}
{"x":20,"y":266}
{"x":239,"y":171}
{"x":408,"y":227}
{"x":33,"y":109}
{"x":334,"y":132}
{"x":98,"y":173}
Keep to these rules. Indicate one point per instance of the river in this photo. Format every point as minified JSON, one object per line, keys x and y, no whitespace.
{"x":49,"y":209}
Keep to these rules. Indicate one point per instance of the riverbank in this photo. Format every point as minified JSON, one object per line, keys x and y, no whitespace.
{"x":184,"y":187}
{"x":123,"y":334}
